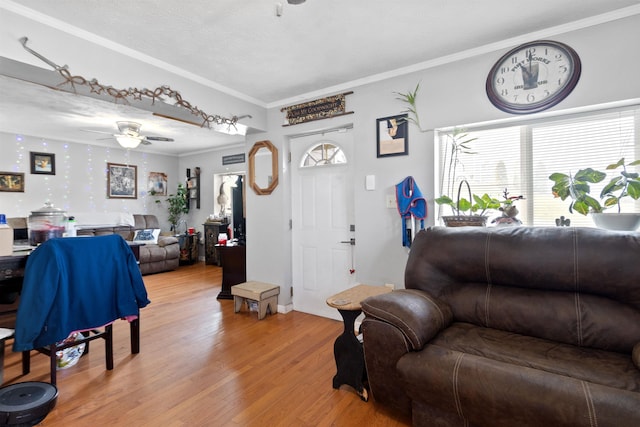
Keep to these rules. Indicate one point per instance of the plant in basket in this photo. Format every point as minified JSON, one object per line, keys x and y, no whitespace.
{"x":468,"y":212}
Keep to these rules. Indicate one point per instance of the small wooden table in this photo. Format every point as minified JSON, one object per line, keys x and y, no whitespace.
{"x":347,"y":349}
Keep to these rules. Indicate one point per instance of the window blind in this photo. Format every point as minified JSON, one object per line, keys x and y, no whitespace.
{"x":521,"y":158}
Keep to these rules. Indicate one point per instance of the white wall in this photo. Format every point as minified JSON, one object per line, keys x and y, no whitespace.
{"x":80,"y":182}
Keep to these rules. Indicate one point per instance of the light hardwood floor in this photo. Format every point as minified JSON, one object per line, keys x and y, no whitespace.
{"x":203,"y":365}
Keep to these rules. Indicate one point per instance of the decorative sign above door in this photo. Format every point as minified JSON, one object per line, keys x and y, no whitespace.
{"x":323,"y":108}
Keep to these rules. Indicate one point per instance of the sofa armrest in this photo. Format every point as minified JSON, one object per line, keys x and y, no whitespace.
{"x":635,"y":355}
{"x":167,"y":240}
{"x":415,"y":313}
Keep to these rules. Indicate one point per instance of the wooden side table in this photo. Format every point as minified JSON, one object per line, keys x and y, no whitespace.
{"x":347,"y":349}
{"x":233,"y":260}
{"x":189,"y":248}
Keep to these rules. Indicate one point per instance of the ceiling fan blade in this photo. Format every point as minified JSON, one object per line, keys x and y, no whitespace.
{"x":96,"y":131}
{"x":158,"y":138}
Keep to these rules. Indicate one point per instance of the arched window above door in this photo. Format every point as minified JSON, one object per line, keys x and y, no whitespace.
{"x":324,"y":153}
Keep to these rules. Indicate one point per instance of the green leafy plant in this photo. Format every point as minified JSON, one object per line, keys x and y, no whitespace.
{"x":479,"y":206}
{"x":624,"y":184}
{"x":409,"y":98}
{"x":177,"y":206}
{"x":457,"y":144}
{"x":577,"y":187}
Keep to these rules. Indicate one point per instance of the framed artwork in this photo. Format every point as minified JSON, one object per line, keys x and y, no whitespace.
{"x":393,"y":136}
{"x":157,"y":185}
{"x":12,"y":181}
{"x":43,"y":163}
{"x":122,"y":181}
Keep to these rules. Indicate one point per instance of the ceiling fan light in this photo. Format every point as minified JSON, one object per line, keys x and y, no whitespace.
{"x":295,"y":1}
{"x":127,"y":141}
{"x":128,"y":127}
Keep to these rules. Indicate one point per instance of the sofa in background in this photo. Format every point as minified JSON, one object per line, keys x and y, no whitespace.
{"x":154,"y":257}
{"x":515,"y":326}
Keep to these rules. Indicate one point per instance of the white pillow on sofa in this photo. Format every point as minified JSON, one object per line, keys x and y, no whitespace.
{"x":148,"y":235}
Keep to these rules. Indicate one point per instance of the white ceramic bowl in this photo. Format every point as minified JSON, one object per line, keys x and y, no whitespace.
{"x":617,"y":221}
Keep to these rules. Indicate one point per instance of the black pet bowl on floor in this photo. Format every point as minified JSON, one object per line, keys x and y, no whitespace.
{"x":27,"y":403}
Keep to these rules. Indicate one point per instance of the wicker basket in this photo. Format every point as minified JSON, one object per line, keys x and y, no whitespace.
{"x":464,"y":220}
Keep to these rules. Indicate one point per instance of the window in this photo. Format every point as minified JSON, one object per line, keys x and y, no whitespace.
{"x":521,"y":158}
{"x":324,"y":154}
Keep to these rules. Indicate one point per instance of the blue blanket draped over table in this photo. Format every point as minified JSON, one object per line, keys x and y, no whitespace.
{"x":410,"y":203}
{"x":77,"y":283}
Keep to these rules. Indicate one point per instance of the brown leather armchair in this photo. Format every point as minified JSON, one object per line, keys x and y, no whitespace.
{"x":516,"y":326}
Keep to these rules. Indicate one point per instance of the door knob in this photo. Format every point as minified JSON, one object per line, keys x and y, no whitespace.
{"x":351,"y":241}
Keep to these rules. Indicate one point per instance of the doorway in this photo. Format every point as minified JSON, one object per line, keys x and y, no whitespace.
{"x":229,"y":202}
{"x":323,"y":229}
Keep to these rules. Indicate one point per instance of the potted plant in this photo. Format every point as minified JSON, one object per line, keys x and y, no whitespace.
{"x":177,"y":206}
{"x":468,"y":212}
{"x":623,"y":184}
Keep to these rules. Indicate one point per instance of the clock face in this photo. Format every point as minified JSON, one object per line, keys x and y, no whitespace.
{"x":533,"y":77}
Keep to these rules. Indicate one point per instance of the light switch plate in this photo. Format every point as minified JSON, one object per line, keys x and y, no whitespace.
{"x":370,"y":182}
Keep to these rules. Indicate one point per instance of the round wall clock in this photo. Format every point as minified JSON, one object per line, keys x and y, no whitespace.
{"x":533,"y":77}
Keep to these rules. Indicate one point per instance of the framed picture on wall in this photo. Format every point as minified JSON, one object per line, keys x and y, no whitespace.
{"x":122,"y":181}
{"x":43,"y":163}
{"x":393,"y":136}
{"x":12,"y":181}
{"x":157,"y":185}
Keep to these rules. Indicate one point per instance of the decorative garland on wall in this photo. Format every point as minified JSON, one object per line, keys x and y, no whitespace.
{"x":137,"y":94}
{"x":132,"y":93}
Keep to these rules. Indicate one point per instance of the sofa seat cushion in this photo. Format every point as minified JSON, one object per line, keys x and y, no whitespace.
{"x":595,"y":366}
{"x":154,"y":253}
{"x":491,"y":377}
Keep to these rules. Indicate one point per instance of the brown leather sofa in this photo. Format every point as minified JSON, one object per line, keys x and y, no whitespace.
{"x":154,"y":258}
{"x":516,"y":326}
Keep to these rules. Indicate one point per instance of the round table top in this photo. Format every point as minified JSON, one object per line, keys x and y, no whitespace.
{"x":350,"y":299}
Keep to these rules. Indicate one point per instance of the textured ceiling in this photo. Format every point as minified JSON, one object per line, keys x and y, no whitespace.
{"x":245,"y":48}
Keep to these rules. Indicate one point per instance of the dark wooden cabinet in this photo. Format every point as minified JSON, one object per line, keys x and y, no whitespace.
{"x":189,"y":248}
{"x":234,"y":268}
{"x":211,"y":231}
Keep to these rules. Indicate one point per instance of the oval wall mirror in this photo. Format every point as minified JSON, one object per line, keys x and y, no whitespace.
{"x":263,"y":167}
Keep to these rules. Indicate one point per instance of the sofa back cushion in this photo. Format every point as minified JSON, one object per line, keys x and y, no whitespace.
{"x":575,"y":285}
{"x":145,"y":221}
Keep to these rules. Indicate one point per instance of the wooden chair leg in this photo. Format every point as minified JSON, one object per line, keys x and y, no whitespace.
{"x":26,"y":362}
{"x":134,"y":327}
{"x":53,"y":363}
{"x":108,"y":346}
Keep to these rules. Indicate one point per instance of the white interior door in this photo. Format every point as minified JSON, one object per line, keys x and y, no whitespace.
{"x":323,"y":214}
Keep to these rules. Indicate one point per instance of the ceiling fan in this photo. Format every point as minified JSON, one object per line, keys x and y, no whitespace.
{"x":129,"y":135}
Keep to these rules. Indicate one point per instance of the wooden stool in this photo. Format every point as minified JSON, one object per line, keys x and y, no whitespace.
{"x":265,"y":294}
